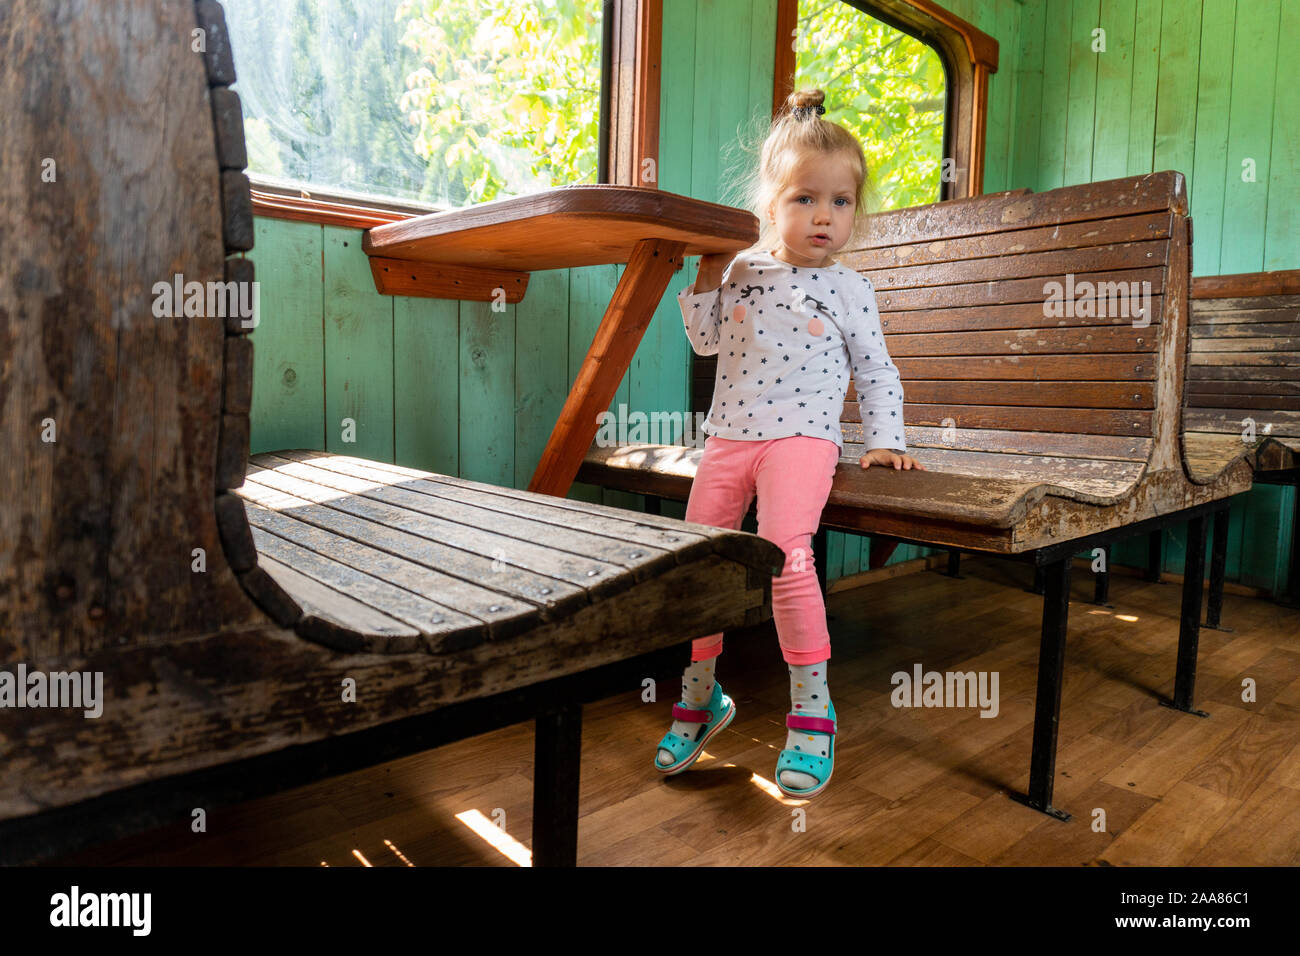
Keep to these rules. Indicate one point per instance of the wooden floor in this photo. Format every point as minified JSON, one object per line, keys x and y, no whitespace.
{"x":921,"y":786}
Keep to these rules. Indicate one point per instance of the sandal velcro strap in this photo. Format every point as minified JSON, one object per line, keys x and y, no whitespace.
{"x":692,"y":716}
{"x":819,"y":724}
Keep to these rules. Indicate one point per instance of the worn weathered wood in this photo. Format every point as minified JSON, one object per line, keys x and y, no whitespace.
{"x":236,"y":211}
{"x":236,"y":538}
{"x":96,"y":551}
{"x":240,"y":271}
{"x":237,"y":387}
{"x":228,"y":124}
{"x":218,"y":58}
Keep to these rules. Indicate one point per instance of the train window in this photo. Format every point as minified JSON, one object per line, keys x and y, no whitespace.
{"x":886,"y":86}
{"x":439,"y":102}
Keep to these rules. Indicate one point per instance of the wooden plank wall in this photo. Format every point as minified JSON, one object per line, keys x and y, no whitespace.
{"x":456,"y":388}
{"x":1200,"y":86}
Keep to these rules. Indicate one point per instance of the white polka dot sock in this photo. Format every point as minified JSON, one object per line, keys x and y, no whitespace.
{"x":808,"y":695}
{"x":697,"y":688}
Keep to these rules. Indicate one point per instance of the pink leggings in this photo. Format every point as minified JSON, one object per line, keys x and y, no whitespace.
{"x":793,"y":479}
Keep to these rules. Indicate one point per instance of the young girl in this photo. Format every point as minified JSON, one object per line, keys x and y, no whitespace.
{"x":787,"y":324}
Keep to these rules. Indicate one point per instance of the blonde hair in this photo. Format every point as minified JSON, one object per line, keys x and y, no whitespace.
{"x":763,"y":171}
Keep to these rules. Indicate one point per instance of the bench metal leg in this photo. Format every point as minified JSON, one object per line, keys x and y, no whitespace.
{"x":1189,"y":630}
{"x":653,"y":505}
{"x":1101,"y":580}
{"x":1218,"y":564}
{"x":557,"y":755}
{"x":1155,"y":554}
{"x":954,"y":563}
{"x":1037,"y":586}
{"x":1047,"y":702}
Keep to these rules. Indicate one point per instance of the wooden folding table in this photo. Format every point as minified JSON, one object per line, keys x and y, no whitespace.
{"x":486,"y":252}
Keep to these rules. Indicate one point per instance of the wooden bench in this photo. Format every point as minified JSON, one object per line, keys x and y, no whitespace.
{"x":1046,"y":431}
{"x":322,"y":616}
{"x":1243,"y":394}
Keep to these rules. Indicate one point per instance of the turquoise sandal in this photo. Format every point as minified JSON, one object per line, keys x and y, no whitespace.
{"x":720,"y":712}
{"x":811,"y":764}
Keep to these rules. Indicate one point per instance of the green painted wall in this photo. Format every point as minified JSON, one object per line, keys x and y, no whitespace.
{"x":1193,"y":85}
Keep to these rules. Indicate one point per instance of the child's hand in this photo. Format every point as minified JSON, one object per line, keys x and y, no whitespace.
{"x":883,"y":456}
{"x":709,"y":276}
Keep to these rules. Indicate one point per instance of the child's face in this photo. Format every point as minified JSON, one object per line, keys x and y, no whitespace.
{"x":819,"y":202}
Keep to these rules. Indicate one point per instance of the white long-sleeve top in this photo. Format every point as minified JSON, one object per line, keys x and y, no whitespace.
{"x":786,"y":337}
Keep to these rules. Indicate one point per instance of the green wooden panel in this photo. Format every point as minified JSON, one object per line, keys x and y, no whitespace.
{"x":487,"y":393}
{"x":288,"y":344}
{"x":1002,"y":22}
{"x":426,"y":384}
{"x":1081,"y":107}
{"x":1055,"y":102}
{"x":1142,"y":104}
{"x":1180,"y":45}
{"x":1029,"y":97}
{"x":712,"y":60}
{"x":358,"y":351}
{"x":852,"y":559}
{"x":677,"y":94}
{"x":1282,"y":231}
{"x":1214,"y":89}
{"x":1250,"y":135}
{"x":834,"y":555}
{"x":1114,"y":89}
{"x":590,"y":290}
{"x":1263,"y":547}
{"x":541,"y":365}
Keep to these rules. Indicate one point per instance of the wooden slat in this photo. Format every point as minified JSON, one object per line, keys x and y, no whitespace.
{"x":1242,"y":303}
{"x":1266,"y":403}
{"x":1240,"y":359}
{"x":1011,"y":241}
{"x":1097,"y":473}
{"x":982,"y":294}
{"x":1243,"y":373}
{"x":641,"y":561}
{"x":458,"y":551}
{"x":1049,"y":265}
{"x":1090,"y":421}
{"x":1276,"y":344}
{"x":1025,"y":315}
{"x":1278,"y":422}
{"x":1250,"y":330}
{"x":1091,"y":201}
{"x":338,"y":621}
{"x":1247,"y":284}
{"x":1203,"y":317}
{"x":1072,"y":395}
{"x":1120,"y":448}
{"x":544,"y":516}
{"x":397,"y":588}
{"x":1025,"y":342}
{"x":1135,"y":366}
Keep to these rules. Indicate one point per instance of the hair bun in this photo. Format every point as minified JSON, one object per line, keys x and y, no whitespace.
{"x":805,"y":103}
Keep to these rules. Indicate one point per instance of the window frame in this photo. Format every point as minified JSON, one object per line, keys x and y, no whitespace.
{"x":968,"y":55}
{"x":629,"y":129}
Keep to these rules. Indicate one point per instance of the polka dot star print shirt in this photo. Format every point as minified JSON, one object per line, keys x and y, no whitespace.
{"x":786,"y":338}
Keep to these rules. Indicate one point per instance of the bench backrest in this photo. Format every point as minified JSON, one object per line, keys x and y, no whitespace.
{"x":989,"y":364}
{"x":1015,"y":319}
{"x":1245,"y":354}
